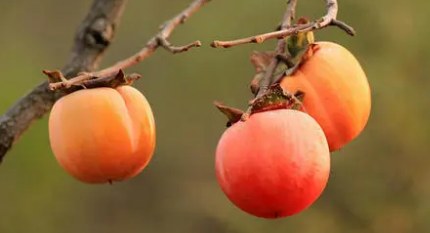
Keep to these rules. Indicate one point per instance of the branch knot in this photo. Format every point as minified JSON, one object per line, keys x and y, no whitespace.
{"x":100,"y":33}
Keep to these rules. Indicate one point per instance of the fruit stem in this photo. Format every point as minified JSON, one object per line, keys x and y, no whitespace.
{"x":267,"y":80}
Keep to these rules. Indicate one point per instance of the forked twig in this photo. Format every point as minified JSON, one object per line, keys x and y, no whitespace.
{"x":92,"y":38}
{"x":328,"y":20}
{"x":159,"y":40}
{"x":285,"y":29}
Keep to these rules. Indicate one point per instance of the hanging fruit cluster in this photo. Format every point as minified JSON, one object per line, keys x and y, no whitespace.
{"x":274,"y":160}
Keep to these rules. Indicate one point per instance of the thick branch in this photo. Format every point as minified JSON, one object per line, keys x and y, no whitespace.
{"x":93,"y":36}
{"x":328,"y":20}
{"x":158,"y":40}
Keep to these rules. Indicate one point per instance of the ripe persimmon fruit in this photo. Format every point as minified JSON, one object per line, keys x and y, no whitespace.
{"x":103,"y":134}
{"x":275,"y":164}
{"x":337,"y":92}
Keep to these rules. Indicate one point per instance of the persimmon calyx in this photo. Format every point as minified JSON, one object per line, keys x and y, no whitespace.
{"x":233,"y":114}
{"x":275,"y":98}
{"x":298,"y":103}
{"x":54,"y":76}
{"x":112,"y":81}
{"x":86,"y":80}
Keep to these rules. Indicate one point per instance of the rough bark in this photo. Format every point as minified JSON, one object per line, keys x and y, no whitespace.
{"x":92,"y":38}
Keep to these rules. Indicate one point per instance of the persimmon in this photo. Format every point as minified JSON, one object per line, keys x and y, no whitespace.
{"x":337,"y":92}
{"x":103,"y":134}
{"x":275,"y":164}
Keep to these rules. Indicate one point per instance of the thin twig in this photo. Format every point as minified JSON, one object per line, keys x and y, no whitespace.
{"x":289,"y":15}
{"x":342,"y":25}
{"x":158,"y":40}
{"x":328,"y":20}
{"x":173,"y":49}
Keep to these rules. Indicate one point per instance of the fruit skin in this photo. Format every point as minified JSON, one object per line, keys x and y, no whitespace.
{"x":337,"y":92}
{"x":275,"y":164}
{"x":103,"y":134}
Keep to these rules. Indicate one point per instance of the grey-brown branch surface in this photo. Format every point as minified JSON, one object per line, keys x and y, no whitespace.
{"x":93,"y":36}
{"x":280,"y":48}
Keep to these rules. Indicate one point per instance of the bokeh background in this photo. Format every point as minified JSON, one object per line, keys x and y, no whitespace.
{"x":380,"y":182}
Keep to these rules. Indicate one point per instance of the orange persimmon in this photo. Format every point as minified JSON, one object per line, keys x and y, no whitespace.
{"x":103,"y":134}
{"x":275,"y":164}
{"x":337,"y":92}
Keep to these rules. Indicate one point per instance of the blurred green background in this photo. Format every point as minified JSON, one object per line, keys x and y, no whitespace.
{"x":379,"y":182}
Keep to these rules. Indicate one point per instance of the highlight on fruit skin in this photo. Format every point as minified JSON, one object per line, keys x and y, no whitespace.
{"x":103,"y":134}
{"x":337,"y":92}
{"x":275,"y":164}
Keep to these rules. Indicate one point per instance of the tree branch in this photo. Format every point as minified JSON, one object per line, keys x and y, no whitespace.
{"x":328,"y":20}
{"x":267,"y":79}
{"x":289,"y":15}
{"x":158,"y":40}
{"x":92,"y":38}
